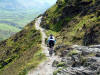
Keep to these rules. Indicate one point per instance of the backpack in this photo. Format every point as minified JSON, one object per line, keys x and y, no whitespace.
{"x":51,"y":37}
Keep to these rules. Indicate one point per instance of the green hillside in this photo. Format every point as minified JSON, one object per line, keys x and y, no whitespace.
{"x":74,"y":21}
{"x":71,"y":21}
{"x":21,"y":52}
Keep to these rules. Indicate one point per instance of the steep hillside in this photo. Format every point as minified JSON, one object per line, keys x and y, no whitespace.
{"x":74,"y":21}
{"x":21,"y":52}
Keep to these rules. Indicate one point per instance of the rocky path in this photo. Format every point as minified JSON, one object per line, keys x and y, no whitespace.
{"x":44,"y":68}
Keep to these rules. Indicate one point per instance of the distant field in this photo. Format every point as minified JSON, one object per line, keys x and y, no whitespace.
{"x":13,"y":21}
{"x":18,"y":17}
{"x":7,"y":30}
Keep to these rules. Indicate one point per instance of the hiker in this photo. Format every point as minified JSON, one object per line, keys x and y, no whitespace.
{"x":51,"y":41}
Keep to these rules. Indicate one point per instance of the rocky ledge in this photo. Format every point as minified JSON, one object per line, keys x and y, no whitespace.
{"x":79,"y":60}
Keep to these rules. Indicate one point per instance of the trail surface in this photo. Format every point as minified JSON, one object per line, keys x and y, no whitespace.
{"x":44,"y":68}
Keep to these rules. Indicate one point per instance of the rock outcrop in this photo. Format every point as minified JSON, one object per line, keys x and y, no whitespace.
{"x":80,"y":60}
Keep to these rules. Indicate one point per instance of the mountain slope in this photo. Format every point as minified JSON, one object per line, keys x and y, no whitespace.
{"x":71,"y":21}
{"x":74,"y":21}
{"x":21,"y":52}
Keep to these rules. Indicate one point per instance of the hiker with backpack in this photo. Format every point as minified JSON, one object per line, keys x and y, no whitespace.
{"x":51,"y":43}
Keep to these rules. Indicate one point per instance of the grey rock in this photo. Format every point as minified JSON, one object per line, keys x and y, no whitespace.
{"x":64,"y":53}
{"x":77,"y":65}
{"x":94,"y":46}
{"x":98,"y":54}
{"x":54,"y":63}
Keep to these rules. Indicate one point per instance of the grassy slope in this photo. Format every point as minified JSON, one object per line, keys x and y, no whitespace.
{"x":21,"y":52}
{"x":74,"y":22}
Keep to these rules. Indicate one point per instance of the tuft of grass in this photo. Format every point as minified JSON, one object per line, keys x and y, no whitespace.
{"x":51,"y":32}
{"x":61,"y":64}
{"x":73,"y":52}
{"x":57,"y":71}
